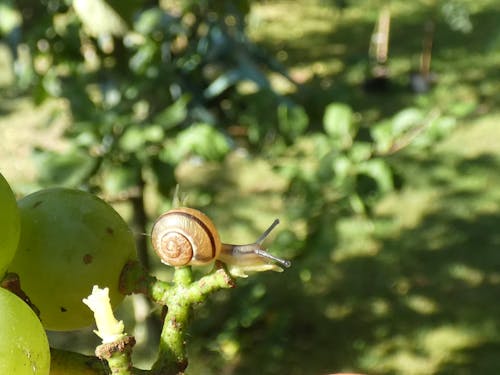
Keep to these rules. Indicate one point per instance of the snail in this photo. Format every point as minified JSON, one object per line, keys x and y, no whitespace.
{"x":186,"y":236}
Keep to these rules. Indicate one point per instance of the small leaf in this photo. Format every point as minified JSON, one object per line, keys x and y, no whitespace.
{"x":406,"y":119}
{"x":174,"y":114}
{"x":383,"y":136}
{"x":143,"y":58}
{"x":292,"y":120}
{"x":342,"y":167}
{"x":360,"y":151}
{"x":339,"y":125}
{"x":201,"y":140}
{"x":222,"y":83}
{"x":132,"y":139}
{"x":136,"y":137}
{"x":380,"y":171}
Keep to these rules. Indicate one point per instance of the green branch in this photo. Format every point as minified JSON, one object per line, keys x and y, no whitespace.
{"x":172,"y":356}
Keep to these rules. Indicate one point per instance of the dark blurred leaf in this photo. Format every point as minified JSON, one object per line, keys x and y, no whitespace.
{"x":143,"y":58}
{"x":292,"y":120}
{"x":174,"y":114}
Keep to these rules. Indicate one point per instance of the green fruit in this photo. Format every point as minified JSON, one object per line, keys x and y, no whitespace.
{"x":9,"y":225}
{"x":70,"y":241}
{"x":24,"y":348}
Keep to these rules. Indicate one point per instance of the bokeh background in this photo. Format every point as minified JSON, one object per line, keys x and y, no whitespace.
{"x":370,"y":128}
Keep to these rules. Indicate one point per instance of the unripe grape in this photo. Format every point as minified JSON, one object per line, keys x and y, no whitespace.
{"x":70,"y":241}
{"x":24,"y":348}
{"x":9,"y":225}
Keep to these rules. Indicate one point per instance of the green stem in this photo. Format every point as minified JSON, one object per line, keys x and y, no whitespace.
{"x":118,"y":355}
{"x":172,"y":356}
{"x":183,"y":276}
{"x":198,"y":291}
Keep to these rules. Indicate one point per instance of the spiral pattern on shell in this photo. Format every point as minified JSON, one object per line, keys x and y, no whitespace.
{"x":185,"y":236}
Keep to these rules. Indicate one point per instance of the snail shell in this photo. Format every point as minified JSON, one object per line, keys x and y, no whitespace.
{"x":185,"y":236}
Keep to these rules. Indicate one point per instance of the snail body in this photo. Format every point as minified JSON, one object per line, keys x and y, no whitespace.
{"x":186,"y":236}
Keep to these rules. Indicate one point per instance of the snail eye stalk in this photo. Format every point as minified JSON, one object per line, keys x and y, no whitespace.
{"x":267,"y":231}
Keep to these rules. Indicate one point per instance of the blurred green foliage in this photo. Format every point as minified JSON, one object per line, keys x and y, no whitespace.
{"x":158,"y":89}
{"x":147,"y":85}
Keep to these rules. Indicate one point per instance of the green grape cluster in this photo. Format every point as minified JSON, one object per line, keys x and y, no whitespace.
{"x":70,"y":240}
{"x":60,"y":242}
